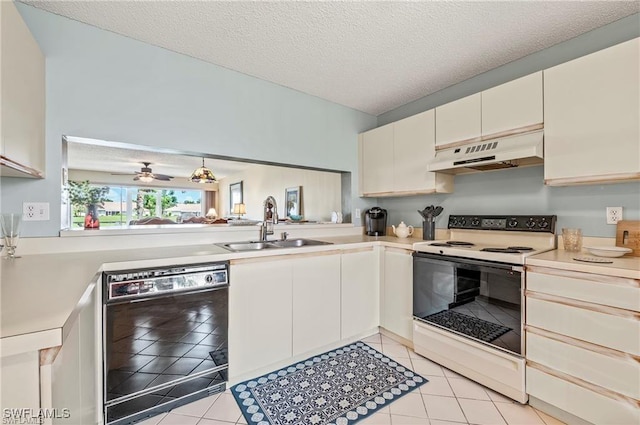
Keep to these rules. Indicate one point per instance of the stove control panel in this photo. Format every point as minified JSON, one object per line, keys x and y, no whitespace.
{"x":520,"y":223}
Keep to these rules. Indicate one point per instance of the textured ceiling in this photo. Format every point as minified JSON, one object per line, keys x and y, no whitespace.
{"x":90,"y":157}
{"x":370,"y":56}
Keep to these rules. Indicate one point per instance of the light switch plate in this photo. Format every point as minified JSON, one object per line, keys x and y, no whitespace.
{"x":35,"y":211}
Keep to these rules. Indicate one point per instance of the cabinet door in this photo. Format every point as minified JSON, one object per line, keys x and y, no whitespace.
{"x":516,"y":105}
{"x":23,"y":92}
{"x":459,"y":120}
{"x":20,"y":384}
{"x":398,"y":292}
{"x":376,"y":160}
{"x":413,"y":148}
{"x":592,"y":117}
{"x":259,"y":315}
{"x":316,"y":302}
{"x":360,"y":295}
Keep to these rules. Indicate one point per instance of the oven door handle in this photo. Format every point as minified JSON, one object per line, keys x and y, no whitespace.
{"x":464,"y":262}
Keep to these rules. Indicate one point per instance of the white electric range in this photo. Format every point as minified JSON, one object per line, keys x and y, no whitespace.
{"x":468,"y":297}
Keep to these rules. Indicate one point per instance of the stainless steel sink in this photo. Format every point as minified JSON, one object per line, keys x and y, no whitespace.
{"x":292,"y":243}
{"x":246,"y":246}
{"x":255,"y":246}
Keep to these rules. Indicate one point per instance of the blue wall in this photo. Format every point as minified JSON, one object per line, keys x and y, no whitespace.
{"x":522,"y":191}
{"x":105,"y":86}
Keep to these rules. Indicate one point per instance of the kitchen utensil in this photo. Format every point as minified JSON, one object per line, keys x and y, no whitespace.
{"x":608,"y":251}
{"x":572,"y":239}
{"x":428,"y":230}
{"x":427,"y":212}
{"x":402,"y":231}
{"x":10,"y":224}
{"x":628,"y":235}
{"x":437,"y":211}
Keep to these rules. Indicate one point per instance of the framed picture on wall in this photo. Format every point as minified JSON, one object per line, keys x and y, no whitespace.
{"x":235,"y":195}
{"x":293,"y":201}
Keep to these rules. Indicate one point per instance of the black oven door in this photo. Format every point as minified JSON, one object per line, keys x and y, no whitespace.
{"x":477,"y":299}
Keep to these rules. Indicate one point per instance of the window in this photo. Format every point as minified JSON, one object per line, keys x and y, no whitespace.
{"x":125,"y":205}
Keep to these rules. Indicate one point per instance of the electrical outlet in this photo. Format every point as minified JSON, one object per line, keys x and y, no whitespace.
{"x":35,"y":211}
{"x":614,"y":215}
{"x":357,"y":212}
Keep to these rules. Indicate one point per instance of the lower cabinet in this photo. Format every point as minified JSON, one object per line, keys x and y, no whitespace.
{"x":74,"y":371}
{"x":397,"y":292}
{"x":360,"y":295}
{"x":316,"y":302}
{"x":260,"y":314}
{"x":284,"y":306}
{"x":59,"y":379}
{"x":583,"y":340}
{"x":20,"y":380}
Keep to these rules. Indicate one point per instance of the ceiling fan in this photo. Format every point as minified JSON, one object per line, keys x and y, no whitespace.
{"x":146,"y":174}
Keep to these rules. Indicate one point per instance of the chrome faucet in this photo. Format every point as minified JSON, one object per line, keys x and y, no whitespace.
{"x":270,"y":217}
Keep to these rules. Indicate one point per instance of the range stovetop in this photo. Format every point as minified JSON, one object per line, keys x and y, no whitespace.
{"x":505,"y":239}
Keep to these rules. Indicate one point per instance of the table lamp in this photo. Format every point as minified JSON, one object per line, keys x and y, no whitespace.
{"x":212,"y":213}
{"x":239,"y":209}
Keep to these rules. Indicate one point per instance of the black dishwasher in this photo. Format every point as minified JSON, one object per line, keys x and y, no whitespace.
{"x":165,"y":333}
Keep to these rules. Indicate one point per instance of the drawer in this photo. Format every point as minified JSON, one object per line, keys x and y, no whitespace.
{"x":620,"y":332}
{"x":579,"y":401}
{"x":604,"y":290}
{"x":617,"y":373}
{"x":492,"y":368}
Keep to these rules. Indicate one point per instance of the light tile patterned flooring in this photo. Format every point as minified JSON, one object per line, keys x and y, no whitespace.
{"x":447,"y":399}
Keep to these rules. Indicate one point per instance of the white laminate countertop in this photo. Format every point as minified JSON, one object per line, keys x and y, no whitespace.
{"x":627,"y":266}
{"x":40,"y":292}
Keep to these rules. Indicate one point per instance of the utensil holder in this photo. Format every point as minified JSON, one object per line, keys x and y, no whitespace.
{"x":428,"y":230}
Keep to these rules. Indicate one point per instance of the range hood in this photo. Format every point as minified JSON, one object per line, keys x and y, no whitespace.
{"x":507,"y":152}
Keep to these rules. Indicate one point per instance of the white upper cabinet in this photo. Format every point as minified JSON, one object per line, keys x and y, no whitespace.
{"x":22,"y":98}
{"x":513,"y":107}
{"x":592,"y":117}
{"x":459,"y":120}
{"x":376,"y":160}
{"x":413,"y":147}
{"x":394,"y":158}
{"x":509,"y":108}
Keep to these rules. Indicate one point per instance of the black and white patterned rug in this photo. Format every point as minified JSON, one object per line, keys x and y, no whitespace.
{"x":340,"y":387}
{"x":471,"y":326}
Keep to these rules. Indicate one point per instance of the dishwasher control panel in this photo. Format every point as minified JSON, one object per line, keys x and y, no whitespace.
{"x":130,"y":284}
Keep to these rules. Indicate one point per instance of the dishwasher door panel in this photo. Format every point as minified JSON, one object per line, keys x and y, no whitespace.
{"x":162,"y":348}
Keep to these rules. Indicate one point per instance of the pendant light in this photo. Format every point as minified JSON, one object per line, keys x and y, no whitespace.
{"x":203,"y":175}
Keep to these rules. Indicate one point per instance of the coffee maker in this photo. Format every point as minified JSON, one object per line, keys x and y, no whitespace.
{"x":375,"y":221}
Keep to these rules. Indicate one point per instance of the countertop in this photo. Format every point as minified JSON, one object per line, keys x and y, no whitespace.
{"x":40,"y":292}
{"x":628,"y":267}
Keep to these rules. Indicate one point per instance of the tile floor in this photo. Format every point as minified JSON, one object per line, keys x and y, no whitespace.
{"x":447,"y":399}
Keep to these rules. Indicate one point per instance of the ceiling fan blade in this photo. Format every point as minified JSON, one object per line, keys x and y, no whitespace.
{"x":124,"y":174}
{"x":162,"y":176}
{"x":136,"y":178}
